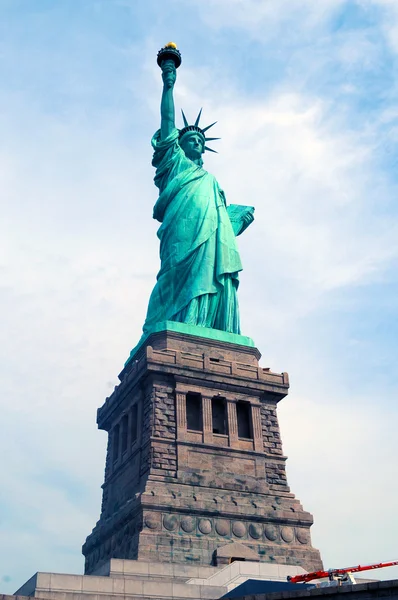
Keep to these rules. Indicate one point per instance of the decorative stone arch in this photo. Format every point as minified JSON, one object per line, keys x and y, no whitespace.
{"x":224,"y":555}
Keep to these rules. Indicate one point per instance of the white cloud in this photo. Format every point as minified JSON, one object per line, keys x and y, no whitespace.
{"x":389,"y":20}
{"x":340,"y":468}
{"x":262,"y":18}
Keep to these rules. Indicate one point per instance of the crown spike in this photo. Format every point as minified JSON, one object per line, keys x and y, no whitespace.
{"x":198,"y":118}
{"x":211,"y":149}
{"x":208,"y":127}
{"x":211,"y":139}
{"x":185,"y":119}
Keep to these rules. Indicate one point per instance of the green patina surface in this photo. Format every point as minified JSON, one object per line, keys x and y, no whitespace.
{"x":199,"y":259}
{"x":203,"y":332}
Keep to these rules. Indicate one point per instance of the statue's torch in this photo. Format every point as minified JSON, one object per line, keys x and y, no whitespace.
{"x":169,"y":52}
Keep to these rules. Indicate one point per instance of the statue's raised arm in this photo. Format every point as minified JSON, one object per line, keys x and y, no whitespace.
{"x":169,"y":59}
{"x":167,"y":112}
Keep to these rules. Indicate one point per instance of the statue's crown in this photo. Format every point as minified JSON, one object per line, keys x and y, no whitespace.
{"x":195,"y":128}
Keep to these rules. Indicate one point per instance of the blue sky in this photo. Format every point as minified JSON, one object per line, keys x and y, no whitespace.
{"x":305,"y":98}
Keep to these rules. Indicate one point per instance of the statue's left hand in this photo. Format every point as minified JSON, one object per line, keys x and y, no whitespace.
{"x":248,"y":218}
{"x":240,"y":216}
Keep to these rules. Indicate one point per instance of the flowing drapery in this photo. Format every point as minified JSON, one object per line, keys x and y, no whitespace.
{"x":198,"y":277}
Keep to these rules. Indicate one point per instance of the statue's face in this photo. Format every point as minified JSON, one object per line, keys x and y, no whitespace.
{"x":192,"y":144}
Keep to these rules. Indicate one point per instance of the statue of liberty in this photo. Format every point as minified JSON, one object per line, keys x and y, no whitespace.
{"x":200,"y":263}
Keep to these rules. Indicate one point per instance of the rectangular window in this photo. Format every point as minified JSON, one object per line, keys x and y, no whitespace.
{"x":125,"y":425}
{"x":134,"y":423}
{"x":194,"y":412}
{"x":219,"y":415}
{"x":115,"y":443}
{"x":243,"y":415}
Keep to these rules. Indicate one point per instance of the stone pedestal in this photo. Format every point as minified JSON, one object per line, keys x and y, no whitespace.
{"x":195,"y":472}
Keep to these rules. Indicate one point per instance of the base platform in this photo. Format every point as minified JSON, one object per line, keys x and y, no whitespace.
{"x":141,"y":580}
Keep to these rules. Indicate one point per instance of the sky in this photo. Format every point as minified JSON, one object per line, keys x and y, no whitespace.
{"x":305,"y":95}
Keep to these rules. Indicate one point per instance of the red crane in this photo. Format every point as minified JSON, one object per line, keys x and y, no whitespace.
{"x":334,"y":574}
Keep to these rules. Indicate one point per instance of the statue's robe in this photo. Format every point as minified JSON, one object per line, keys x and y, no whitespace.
{"x":198,"y":278}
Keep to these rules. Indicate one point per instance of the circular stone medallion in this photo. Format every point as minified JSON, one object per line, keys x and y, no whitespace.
{"x":287,"y":534}
{"x":188,"y":524}
{"x":303,"y":536}
{"x":205,"y":526}
{"x":271,"y":532}
{"x":170,"y":522}
{"x":255,"y":531}
{"x":222,"y":527}
{"x":152,"y":521}
{"x":239,"y":529}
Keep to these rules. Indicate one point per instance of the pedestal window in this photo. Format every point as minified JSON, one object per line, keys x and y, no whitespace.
{"x":219,"y":415}
{"x":194,"y":412}
{"x":134,"y":423}
{"x":115,"y":443}
{"x":125,"y":425}
{"x":243,"y":415}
